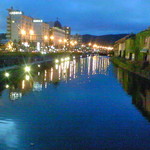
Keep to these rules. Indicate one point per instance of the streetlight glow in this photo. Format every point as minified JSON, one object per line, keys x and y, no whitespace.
{"x":7,"y":74}
{"x":62,"y":60}
{"x":31,"y":32}
{"x":60,"y":40}
{"x":27,"y":77}
{"x":52,"y":37}
{"x":7,"y":86}
{"x":46,"y":37}
{"x":56,"y":61}
{"x":65,"y":40}
{"x":27,"y":69}
{"x":23,"y":32}
{"x":90,"y":44}
{"x":75,"y":42}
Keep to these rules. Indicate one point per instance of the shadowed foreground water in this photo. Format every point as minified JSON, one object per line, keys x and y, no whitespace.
{"x":75,"y":105}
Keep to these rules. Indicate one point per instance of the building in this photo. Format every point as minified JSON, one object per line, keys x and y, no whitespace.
{"x":134,"y":47}
{"x":26,"y":30}
{"x":57,"y":34}
{"x":142,"y":45}
{"x":67,"y":35}
{"x":124,"y":47}
{"x":41,"y":33}
{"x":77,"y":38}
{"x":35,"y":33}
{"x":19,"y":26}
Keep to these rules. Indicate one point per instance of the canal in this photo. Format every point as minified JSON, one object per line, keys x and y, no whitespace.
{"x":75,"y":104}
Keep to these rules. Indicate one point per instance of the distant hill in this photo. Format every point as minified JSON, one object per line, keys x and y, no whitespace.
{"x":103,"y":40}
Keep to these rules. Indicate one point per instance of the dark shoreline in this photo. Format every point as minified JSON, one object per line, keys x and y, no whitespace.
{"x":138,"y":68}
{"x":13,"y":60}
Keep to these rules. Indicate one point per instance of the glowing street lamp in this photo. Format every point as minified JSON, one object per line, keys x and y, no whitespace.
{"x":46,"y":37}
{"x":72,"y":44}
{"x":95,"y":46}
{"x":62,"y":60}
{"x":56,"y":61}
{"x":52,"y":37}
{"x":90,"y":44}
{"x":27,"y":69}
{"x":23,"y":32}
{"x":7,"y":86}
{"x":27,"y":77}
{"x":75,"y":42}
{"x":31,"y":32}
{"x":60,"y":40}
{"x":65,"y":40}
{"x":7,"y":74}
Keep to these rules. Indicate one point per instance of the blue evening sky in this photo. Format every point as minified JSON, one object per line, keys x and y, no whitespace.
{"x":97,"y":17}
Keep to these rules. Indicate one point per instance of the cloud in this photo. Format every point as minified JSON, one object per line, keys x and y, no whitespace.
{"x":87,"y":16}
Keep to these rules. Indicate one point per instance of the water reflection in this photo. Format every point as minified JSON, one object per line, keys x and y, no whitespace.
{"x":138,"y":88}
{"x":61,"y":71}
{"x":8,"y":133}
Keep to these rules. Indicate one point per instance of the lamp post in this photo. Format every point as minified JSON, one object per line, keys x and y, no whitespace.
{"x":51,"y":40}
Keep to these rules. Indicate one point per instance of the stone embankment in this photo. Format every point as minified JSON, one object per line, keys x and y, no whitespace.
{"x":140,"y":68}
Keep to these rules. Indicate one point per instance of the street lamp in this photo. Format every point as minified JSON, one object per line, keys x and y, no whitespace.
{"x":60,"y":40}
{"x":65,"y":40}
{"x":52,"y":37}
{"x":23,"y":32}
{"x":90,"y":44}
{"x":75,"y":42}
{"x":7,"y":74}
{"x":45,"y":37}
{"x":31,"y":32}
{"x":27,"y":69}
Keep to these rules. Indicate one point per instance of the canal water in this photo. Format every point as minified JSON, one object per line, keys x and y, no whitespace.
{"x":76,"y":104}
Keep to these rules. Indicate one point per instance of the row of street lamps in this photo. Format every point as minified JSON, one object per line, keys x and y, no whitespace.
{"x":71,"y":43}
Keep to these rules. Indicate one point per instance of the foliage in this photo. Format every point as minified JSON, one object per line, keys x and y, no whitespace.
{"x":136,"y":67}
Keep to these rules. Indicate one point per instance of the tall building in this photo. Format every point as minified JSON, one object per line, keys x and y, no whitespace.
{"x":19,"y":26}
{"x":67,"y":35}
{"x":41,"y":31}
{"x":24,"y":29}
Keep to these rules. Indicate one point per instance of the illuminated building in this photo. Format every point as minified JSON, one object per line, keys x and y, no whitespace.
{"x":19,"y":26}
{"x":78,"y":39}
{"x":67,"y":36}
{"x":41,"y":30}
{"x":61,"y":35}
{"x":24,"y":29}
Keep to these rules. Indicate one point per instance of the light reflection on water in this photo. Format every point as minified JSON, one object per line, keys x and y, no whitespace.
{"x":137,"y":87}
{"x":8,"y":133}
{"x":74,"y":104}
{"x":63,"y":71}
